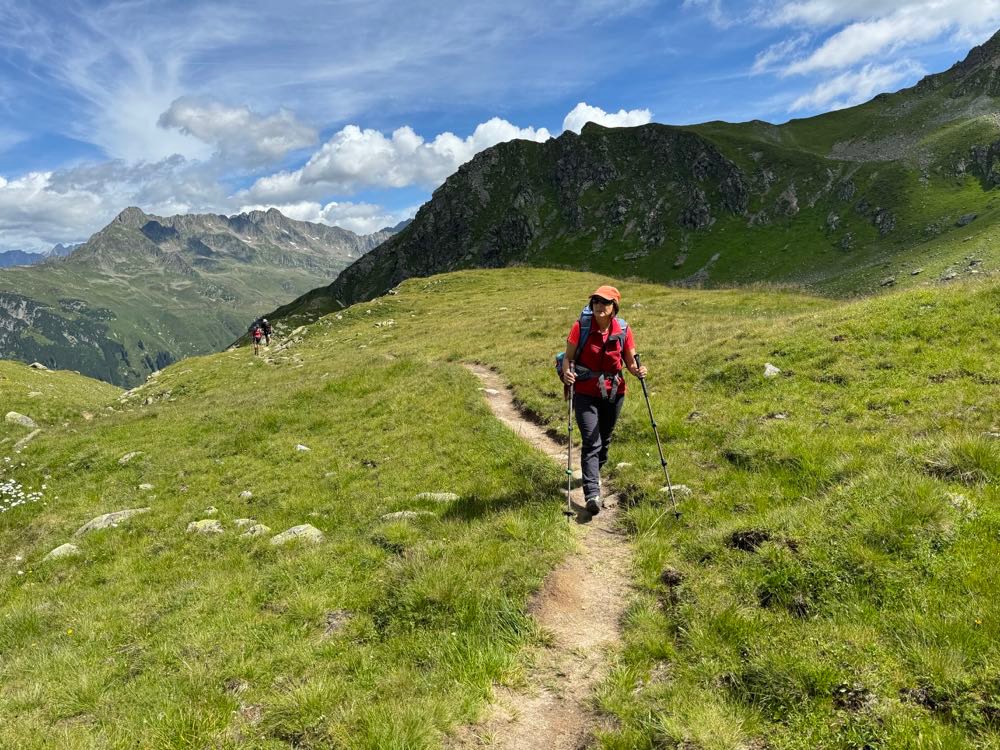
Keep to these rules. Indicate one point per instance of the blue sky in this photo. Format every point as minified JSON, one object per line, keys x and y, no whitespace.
{"x":352,"y":112}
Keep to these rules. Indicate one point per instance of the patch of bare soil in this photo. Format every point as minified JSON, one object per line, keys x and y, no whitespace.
{"x":580,"y":606}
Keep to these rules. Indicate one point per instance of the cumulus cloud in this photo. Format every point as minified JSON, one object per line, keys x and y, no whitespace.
{"x":361,"y":218}
{"x":40,"y":209}
{"x":848,"y":89}
{"x":583,"y":113}
{"x":354,"y":158}
{"x":238,"y":132}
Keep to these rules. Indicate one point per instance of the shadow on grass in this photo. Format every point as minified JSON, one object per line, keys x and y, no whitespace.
{"x":474,"y":507}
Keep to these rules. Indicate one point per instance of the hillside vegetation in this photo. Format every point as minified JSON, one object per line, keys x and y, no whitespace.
{"x":829,"y":584}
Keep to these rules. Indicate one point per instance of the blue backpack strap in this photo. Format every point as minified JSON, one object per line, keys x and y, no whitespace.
{"x":586,"y":322}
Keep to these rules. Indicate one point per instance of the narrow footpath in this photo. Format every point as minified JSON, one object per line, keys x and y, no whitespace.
{"x":580,"y":605}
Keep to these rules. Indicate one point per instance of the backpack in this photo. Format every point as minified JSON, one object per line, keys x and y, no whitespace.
{"x":586,"y":323}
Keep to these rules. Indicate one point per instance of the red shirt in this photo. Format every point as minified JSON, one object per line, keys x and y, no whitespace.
{"x":597,"y":357}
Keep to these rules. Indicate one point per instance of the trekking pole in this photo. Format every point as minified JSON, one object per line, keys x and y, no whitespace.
{"x":659,"y":447}
{"x":569,"y":455}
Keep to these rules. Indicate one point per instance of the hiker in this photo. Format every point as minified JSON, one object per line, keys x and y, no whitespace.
{"x":256,"y":334}
{"x":266,"y":328}
{"x":594,"y":368}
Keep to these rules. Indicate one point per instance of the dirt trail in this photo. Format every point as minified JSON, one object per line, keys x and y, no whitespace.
{"x":580,"y":605}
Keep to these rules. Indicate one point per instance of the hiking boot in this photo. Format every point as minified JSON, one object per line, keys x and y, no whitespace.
{"x":593,"y":506}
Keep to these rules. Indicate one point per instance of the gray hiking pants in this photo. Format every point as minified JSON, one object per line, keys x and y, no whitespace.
{"x":596,"y":418}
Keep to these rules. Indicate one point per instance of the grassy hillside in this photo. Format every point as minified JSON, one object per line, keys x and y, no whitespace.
{"x":50,"y":397}
{"x":829,"y":584}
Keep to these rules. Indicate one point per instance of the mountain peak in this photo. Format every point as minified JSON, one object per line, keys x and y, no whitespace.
{"x":132,"y":217}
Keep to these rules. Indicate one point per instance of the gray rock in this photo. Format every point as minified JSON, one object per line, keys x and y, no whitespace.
{"x":63,"y":550}
{"x":37,"y":366}
{"x":210,"y":510}
{"x":13,"y":417}
{"x":770,"y":371}
{"x":246,"y":495}
{"x":965,"y":220}
{"x":304,"y":532}
{"x":887,"y":281}
{"x":916,"y":272}
{"x":109,"y":520}
{"x":257,"y":529}
{"x":438,"y":497}
{"x":145,"y":486}
{"x":206,"y":526}
{"x":128,"y":457}
{"x":242,"y":523}
{"x":406,"y":515}
{"x":21,"y":444}
{"x":301,"y":447}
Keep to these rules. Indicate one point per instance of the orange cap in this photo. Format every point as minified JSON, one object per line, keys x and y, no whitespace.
{"x":608,"y":292}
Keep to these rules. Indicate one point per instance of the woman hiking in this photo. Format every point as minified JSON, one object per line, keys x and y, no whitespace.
{"x":594,"y":367}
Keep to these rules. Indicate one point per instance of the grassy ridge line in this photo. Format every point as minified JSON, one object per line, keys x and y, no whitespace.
{"x":881,"y":425}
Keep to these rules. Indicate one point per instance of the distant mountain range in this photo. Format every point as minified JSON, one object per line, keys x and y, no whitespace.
{"x":895,"y":191}
{"x":147,"y":290}
{"x":10,"y":258}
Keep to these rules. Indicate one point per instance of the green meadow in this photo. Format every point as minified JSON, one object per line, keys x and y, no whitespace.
{"x":830,"y":583}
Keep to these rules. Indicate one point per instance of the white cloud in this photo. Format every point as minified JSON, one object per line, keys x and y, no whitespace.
{"x":583,"y":113}
{"x":361,"y":218}
{"x":354,"y":158}
{"x":777,"y":54}
{"x":40,"y":209}
{"x":822,"y":13}
{"x":34,"y":217}
{"x":876,"y":27}
{"x":238,"y":132}
{"x":848,"y":89}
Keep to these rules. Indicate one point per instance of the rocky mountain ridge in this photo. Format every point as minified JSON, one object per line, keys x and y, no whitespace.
{"x":834,"y":202}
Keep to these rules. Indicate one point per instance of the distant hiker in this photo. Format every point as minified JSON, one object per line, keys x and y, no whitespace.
{"x":256,"y":334}
{"x":266,"y":328}
{"x":593,"y":366}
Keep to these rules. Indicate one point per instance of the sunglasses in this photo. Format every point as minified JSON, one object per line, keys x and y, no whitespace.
{"x":601,"y":301}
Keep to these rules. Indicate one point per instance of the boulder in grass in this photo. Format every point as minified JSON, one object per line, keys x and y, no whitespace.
{"x":304,"y":532}
{"x":109,"y":520}
{"x":302,"y":448}
{"x":63,"y":550}
{"x":242,"y":523}
{"x":37,"y":366}
{"x":246,"y":495}
{"x":12,"y":417}
{"x":207,"y":526}
{"x":770,"y":371}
